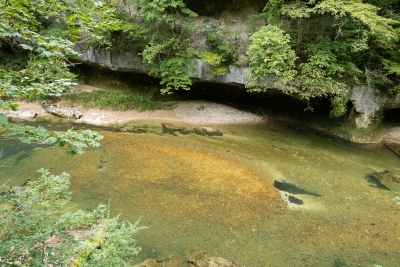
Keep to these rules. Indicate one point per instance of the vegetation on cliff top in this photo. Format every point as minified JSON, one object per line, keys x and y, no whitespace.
{"x":336,"y":44}
{"x":315,"y":48}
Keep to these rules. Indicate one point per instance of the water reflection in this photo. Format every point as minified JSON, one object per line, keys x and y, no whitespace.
{"x":218,"y":193}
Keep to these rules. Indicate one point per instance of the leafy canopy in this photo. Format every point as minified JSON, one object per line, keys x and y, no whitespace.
{"x":270,"y":53}
{"x":35,"y":62}
{"x":166,"y":31}
{"x":336,"y":43}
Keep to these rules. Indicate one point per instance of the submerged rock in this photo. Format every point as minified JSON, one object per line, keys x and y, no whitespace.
{"x":200,"y":258}
{"x":207,"y":131}
{"x":212,"y":132}
{"x":147,"y":263}
{"x":173,"y":129}
{"x":387,"y":179}
{"x":170,"y":128}
{"x":199,"y":131}
{"x":194,"y":258}
{"x":173,"y":261}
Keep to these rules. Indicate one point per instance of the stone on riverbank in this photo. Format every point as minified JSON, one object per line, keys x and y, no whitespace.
{"x":195,"y":258}
{"x":169,"y":128}
{"x":65,"y":112}
{"x":392,"y":139}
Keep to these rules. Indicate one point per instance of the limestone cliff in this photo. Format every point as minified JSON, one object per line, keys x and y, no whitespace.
{"x":234,"y":17}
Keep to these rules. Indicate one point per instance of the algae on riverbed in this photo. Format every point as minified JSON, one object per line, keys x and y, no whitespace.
{"x":217,"y":194}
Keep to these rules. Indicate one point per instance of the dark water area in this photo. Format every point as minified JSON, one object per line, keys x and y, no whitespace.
{"x":265,"y":195}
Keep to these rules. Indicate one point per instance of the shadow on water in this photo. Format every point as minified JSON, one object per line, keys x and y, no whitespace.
{"x":374,"y":182}
{"x":293,"y":189}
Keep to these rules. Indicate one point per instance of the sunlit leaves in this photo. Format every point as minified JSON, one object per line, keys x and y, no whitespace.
{"x":365,"y":13}
{"x":73,"y":140}
{"x":168,"y":50}
{"x":338,"y":43}
{"x":46,"y":72}
{"x":270,"y":53}
{"x":322,"y":74}
{"x":35,"y":230}
{"x":3,"y":121}
{"x":167,"y":11}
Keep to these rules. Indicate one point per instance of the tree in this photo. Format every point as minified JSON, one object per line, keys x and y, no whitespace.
{"x":270,"y":53}
{"x":337,"y":44}
{"x":168,"y":50}
{"x":37,"y":40}
{"x":36,"y":231}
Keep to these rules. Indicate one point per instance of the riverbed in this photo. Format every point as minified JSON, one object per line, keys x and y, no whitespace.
{"x":218,"y":194}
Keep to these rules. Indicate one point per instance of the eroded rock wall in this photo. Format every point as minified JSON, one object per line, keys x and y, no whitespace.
{"x":234,"y":17}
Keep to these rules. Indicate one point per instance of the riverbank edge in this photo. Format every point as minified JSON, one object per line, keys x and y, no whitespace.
{"x":191,"y":113}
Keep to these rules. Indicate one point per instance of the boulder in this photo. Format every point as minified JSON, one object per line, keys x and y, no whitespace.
{"x":20,"y":114}
{"x":148,"y":263}
{"x":65,"y":112}
{"x":170,"y":128}
{"x":366,"y":103}
{"x":199,"y":258}
{"x":173,"y":261}
{"x":199,"y":131}
{"x":212,"y":132}
{"x":207,"y":131}
{"x":173,"y":129}
{"x":392,"y":140}
{"x":389,"y":180}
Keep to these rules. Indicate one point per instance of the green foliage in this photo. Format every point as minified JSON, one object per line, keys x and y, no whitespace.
{"x":366,"y":14}
{"x":211,"y":58}
{"x":110,"y":243}
{"x":225,"y":49}
{"x":166,"y":31}
{"x":128,"y":37}
{"x":339,"y":108}
{"x":3,"y":121}
{"x":270,"y":53}
{"x":174,"y":72}
{"x":321,"y":75}
{"x":115,"y":100}
{"x":74,"y":141}
{"x":273,"y":9}
{"x":35,"y":231}
{"x":43,"y":55}
{"x":337,"y":44}
{"x":40,"y":34}
{"x":223,"y":52}
{"x":165,"y":11}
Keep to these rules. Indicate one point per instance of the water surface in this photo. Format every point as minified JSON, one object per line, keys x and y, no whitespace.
{"x":217,"y":193}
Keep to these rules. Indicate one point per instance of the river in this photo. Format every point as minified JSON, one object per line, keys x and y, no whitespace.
{"x":218,"y":193}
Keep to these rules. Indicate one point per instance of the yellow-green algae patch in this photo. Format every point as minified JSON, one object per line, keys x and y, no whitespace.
{"x":192,"y":182}
{"x":216,"y":194}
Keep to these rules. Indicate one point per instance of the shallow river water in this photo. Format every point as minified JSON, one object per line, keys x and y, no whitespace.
{"x":218,"y":194}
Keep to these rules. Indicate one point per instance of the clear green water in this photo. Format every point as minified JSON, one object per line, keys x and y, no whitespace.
{"x":217,"y":193}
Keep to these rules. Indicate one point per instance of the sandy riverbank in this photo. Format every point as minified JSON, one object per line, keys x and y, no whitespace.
{"x":188,"y":112}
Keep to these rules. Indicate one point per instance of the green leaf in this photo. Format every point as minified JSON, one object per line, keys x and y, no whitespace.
{"x":3,"y":120}
{"x":25,"y":140}
{"x":27,"y":47}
